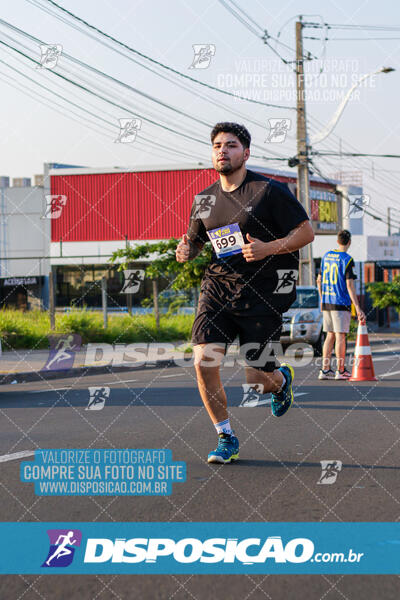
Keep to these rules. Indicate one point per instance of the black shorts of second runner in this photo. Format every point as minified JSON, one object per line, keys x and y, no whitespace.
{"x":258,"y":335}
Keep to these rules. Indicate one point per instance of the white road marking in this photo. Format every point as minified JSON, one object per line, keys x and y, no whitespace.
{"x":266,"y":401}
{"x":52,"y":390}
{"x":16,"y":455}
{"x":115,"y":382}
{"x":397,"y":357}
{"x":385,"y":348}
{"x":174,"y":375}
{"x":77,"y":389}
{"x":389,"y":374}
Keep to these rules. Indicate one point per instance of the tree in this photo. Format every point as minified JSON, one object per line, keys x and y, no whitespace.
{"x":187,"y":275}
{"x":385,"y":294}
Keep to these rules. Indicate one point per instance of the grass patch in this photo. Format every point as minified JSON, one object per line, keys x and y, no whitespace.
{"x":29,"y":330}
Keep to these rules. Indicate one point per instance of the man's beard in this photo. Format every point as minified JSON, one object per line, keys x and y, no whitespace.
{"x":226,"y":168}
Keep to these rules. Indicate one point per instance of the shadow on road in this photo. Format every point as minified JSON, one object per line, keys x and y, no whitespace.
{"x":332,"y":398}
{"x":292,"y":464}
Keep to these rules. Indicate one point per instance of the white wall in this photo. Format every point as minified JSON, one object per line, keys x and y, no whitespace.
{"x":88,"y":253}
{"x":324,"y":243}
{"x":24,"y":234}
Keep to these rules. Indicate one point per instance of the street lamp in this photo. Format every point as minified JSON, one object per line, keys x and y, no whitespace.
{"x":318,"y":137}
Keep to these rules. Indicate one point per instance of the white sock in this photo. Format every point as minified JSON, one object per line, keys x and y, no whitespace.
{"x":223,"y":427}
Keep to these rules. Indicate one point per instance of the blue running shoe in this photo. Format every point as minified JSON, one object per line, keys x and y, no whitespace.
{"x":226,"y":451}
{"x":282,"y":401}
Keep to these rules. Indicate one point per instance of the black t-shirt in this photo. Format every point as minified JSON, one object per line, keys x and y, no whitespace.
{"x":267,"y":210}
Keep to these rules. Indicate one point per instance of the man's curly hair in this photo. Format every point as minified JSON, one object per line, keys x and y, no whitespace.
{"x":239,"y":130}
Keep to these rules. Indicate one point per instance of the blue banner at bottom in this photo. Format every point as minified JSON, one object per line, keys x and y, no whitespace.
{"x":200,"y":548}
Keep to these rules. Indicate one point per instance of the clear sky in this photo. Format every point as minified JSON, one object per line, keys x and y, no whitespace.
{"x":38,"y":126}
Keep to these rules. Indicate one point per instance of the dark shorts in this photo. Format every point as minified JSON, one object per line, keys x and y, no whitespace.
{"x":223,"y":326}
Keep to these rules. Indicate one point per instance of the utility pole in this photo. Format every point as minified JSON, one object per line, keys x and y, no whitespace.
{"x":104,"y":301}
{"x":52,"y":304}
{"x":128,"y":296}
{"x":155,"y":304}
{"x":388,"y":219}
{"x":306,"y":275}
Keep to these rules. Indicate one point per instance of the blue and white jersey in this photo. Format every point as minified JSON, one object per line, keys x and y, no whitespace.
{"x":336,"y":267}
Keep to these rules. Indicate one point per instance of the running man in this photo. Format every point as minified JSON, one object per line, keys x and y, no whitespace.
{"x":132,"y":281}
{"x":256,"y":227}
{"x":337,"y":291}
{"x":62,"y":549}
{"x":100,"y":395}
{"x":63,"y":346}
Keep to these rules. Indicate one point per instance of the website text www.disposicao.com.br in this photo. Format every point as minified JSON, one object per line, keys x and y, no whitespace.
{"x":213,"y":550}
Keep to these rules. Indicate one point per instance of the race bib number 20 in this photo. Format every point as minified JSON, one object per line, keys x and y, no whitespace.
{"x":226,"y":240}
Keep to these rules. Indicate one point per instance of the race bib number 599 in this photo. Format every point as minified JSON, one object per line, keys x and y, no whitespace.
{"x":226,"y":240}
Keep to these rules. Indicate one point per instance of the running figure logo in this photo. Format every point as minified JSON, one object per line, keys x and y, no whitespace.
{"x":202,"y":55}
{"x":204,"y":205}
{"x":128,"y":129}
{"x":54,"y":206}
{"x":286,"y":281}
{"x":251,"y":394}
{"x":98,"y":397}
{"x":330,"y":470}
{"x":62,"y":547}
{"x":278,"y":129}
{"x":49,"y":55}
{"x":132,"y":282}
{"x":62,"y":352}
{"x":357,"y":205}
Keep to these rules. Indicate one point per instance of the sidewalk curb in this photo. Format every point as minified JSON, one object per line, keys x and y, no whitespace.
{"x":28,"y":376}
{"x":376,"y":342}
{"x":78,"y":372}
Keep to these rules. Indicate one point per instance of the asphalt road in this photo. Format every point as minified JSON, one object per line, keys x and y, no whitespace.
{"x":274,"y":480}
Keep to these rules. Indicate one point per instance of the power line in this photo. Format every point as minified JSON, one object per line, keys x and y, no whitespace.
{"x":383,"y":182}
{"x":51,"y":104}
{"x":394,"y":181}
{"x":89,"y":83}
{"x":349,"y":26}
{"x":97,"y":95}
{"x":35,"y":3}
{"x":165,"y":76}
{"x":364,"y":39}
{"x":160,"y":64}
{"x":371,"y":187}
{"x":317,"y":153}
{"x":110,"y":77}
{"x":157,"y":145}
{"x":84,"y":88}
{"x":114,"y":80}
{"x":263,"y":33}
{"x":265,"y":36}
{"x":375,"y":215}
{"x":103,"y":132}
{"x":321,"y":39}
{"x":248,"y":17}
{"x":239,"y":18}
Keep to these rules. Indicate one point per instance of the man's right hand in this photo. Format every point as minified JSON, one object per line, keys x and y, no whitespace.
{"x":361,"y":316}
{"x":182,"y":249}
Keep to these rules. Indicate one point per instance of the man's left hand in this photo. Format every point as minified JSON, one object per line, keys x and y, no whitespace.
{"x":255,"y":249}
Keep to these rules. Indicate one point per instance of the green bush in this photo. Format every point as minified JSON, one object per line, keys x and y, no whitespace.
{"x":31,"y":329}
{"x":24,"y":330}
{"x":385,"y":294}
{"x":87,"y":325}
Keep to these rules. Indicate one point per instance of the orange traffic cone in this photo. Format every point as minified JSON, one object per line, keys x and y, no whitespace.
{"x":363,"y":368}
